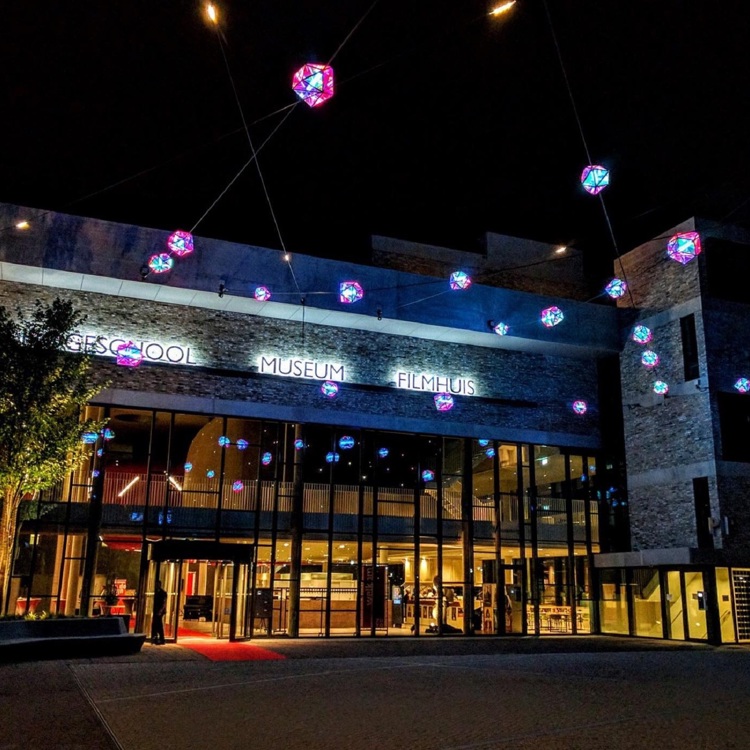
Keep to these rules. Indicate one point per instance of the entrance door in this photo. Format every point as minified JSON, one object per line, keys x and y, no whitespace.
{"x":695,"y":599}
{"x":169,"y":573}
{"x":222,"y":599}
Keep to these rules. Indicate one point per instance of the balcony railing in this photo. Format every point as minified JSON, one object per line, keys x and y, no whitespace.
{"x":132,"y":491}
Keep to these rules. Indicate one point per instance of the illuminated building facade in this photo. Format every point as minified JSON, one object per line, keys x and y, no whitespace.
{"x":284,"y":464}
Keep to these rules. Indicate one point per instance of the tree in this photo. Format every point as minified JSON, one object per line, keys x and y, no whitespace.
{"x":42,"y":390}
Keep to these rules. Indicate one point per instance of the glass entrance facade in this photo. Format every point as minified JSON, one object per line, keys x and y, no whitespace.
{"x":350,"y":531}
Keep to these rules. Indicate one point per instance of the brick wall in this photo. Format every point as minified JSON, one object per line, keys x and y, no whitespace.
{"x":228,"y":345}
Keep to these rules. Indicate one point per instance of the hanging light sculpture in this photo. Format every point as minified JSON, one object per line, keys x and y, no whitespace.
{"x":683,"y":247}
{"x":594,"y":178}
{"x":180,"y":243}
{"x":313,"y":83}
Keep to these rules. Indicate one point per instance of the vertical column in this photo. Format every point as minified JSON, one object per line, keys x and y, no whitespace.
{"x":94,"y":527}
{"x":499,"y":601}
{"x":467,"y":535}
{"x":571,"y":579}
{"x":295,"y":529}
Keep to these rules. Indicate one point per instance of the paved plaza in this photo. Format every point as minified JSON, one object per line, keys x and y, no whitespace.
{"x":427,"y":694}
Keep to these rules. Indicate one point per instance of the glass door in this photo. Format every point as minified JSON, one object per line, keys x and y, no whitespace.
{"x":695,"y":598}
{"x":222,"y":599}
{"x":243,"y":577}
{"x":169,"y":574}
{"x":675,"y":606}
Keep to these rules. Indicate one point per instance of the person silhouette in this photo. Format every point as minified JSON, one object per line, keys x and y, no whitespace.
{"x":160,"y":609}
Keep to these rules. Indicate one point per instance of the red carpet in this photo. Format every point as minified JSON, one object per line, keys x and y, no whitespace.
{"x":216,"y":650}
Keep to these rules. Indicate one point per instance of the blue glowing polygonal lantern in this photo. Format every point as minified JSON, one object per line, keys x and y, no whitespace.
{"x":242,"y":444}
{"x":238,"y":486}
{"x":642,"y":334}
{"x":262,"y":294}
{"x":329,"y":389}
{"x":188,"y":467}
{"x":350,"y":292}
{"x":490,"y":453}
{"x":383,"y":452}
{"x":594,"y":178}
{"x":501,"y":329}
{"x":95,"y":473}
{"x":129,"y":355}
{"x":346,"y":443}
{"x":100,"y":452}
{"x":89,"y":437}
{"x":580,"y":407}
{"x":649,"y":359}
{"x":428,"y":475}
{"x":460,"y":280}
{"x":660,"y":388}
{"x":616,"y":288}
{"x":299,"y":444}
{"x":742,"y":385}
{"x":332,"y":458}
{"x":161,"y":263}
{"x":684,"y":246}
{"x":443,"y":401}
{"x":266,"y":458}
{"x":483,"y":443}
{"x":551,"y":316}
{"x":210,"y":473}
{"x":108,"y":434}
{"x":224,"y":441}
{"x":180,"y":243}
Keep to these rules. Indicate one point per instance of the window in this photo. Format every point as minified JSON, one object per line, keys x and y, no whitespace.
{"x":689,"y":347}
{"x":728,"y":266}
{"x":703,"y":513}
{"x":734,"y":417}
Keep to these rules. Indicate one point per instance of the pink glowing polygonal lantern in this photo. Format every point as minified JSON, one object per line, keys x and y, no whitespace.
{"x":350,"y":292}
{"x":594,"y":178}
{"x":460,"y":280}
{"x":551,"y":316}
{"x":313,"y":83}
{"x":501,"y":329}
{"x":580,"y":407}
{"x":129,"y":355}
{"x":743,"y":385}
{"x":443,"y":401}
{"x":683,"y":247}
{"x":262,"y":294}
{"x":160,"y":263}
{"x":180,"y":243}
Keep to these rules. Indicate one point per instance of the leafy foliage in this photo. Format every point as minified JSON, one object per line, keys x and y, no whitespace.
{"x":42,"y":387}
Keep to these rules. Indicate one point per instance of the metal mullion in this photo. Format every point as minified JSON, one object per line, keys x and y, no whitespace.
{"x":533,"y":518}
{"x":220,"y":496}
{"x":360,"y":534}
{"x":499,"y":611}
{"x":572,"y":583}
{"x":416,"y":499}
{"x":439,"y":541}
{"x":329,"y":571}
{"x":375,"y":543}
{"x":143,"y":570}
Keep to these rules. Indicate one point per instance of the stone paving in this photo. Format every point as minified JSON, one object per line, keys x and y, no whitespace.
{"x":427,"y":694}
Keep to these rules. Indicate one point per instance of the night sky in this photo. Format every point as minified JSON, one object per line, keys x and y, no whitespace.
{"x":446,"y":122}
